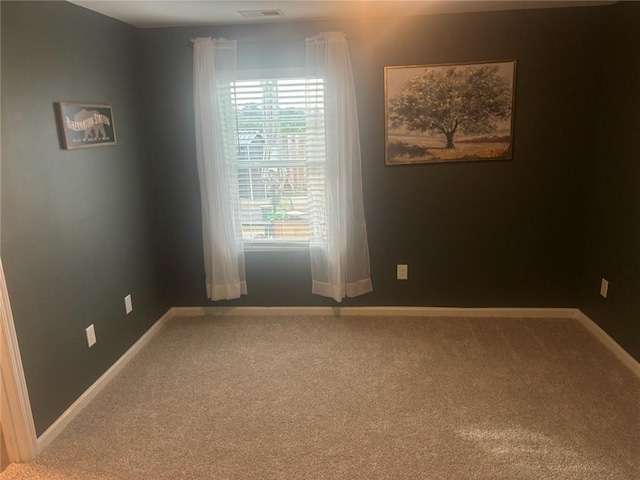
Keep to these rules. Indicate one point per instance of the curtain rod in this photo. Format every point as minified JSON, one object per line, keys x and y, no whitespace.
{"x":277,"y":41}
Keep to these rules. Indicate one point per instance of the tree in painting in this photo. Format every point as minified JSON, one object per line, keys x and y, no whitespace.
{"x":470,"y":100}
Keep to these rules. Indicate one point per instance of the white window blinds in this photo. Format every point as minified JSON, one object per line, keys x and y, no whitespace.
{"x":280,"y":158}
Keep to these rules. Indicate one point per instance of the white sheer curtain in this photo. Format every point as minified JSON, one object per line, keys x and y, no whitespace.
{"x":214,"y":68}
{"x":338,"y":246}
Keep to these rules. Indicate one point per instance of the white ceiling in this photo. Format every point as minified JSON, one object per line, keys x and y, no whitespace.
{"x":168,"y":13}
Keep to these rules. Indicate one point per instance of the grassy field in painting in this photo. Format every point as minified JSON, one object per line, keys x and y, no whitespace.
{"x":411,"y":148}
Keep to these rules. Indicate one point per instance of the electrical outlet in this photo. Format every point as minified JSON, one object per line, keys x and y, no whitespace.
{"x":128,"y":306}
{"x":604,"y":288}
{"x":402,"y":272}
{"x":91,"y":335}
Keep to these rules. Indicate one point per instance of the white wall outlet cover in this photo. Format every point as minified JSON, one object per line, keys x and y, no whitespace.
{"x":402,"y":272}
{"x":91,"y":335}
{"x":604,"y":288}
{"x":128,"y":306}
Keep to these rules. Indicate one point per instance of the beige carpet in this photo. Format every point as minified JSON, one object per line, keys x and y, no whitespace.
{"x":358,"y":398}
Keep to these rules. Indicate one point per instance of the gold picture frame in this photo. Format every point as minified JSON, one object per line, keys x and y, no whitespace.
{"x":449,"y":112}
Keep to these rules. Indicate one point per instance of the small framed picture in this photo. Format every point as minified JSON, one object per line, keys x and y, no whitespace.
{"x":84,"y":125}
{"x":449,"y":113}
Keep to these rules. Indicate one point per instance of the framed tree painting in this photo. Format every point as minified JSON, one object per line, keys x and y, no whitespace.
{"x":448,"y":113}
{"x":85,"y":125}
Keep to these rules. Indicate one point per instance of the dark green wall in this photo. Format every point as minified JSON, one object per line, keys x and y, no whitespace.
{"x":612,"y":235}
{"x":479,"y":234}
{"x":81,"y":229}
{"x":76,"y":229}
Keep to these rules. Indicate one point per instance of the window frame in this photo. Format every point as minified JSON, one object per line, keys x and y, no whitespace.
{"x":266,"y":245}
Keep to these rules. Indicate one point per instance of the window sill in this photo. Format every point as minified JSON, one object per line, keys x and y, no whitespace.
{"x":277,"y":247}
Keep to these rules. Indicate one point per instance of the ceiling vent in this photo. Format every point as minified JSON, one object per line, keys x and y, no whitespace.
{"x":261,"y":13}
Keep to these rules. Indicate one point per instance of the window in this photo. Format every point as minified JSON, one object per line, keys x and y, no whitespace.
{"x":280,"y":146}
{"x":292,"y":162}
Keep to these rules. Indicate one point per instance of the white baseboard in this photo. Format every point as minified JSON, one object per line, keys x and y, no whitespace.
{"x":377,"y":311}
{"x":54,"y":430}
{"x":609,"y":342}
